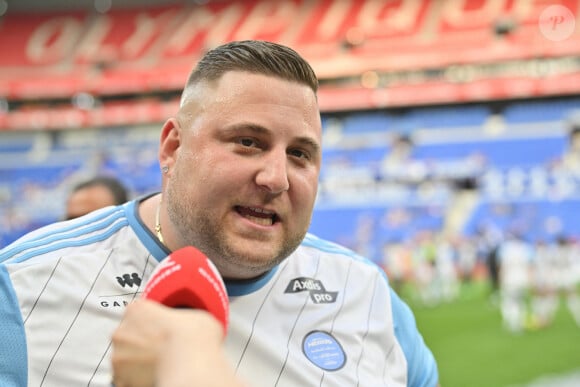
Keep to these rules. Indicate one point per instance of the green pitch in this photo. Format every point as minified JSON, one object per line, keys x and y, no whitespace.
{"x":473,"y":349}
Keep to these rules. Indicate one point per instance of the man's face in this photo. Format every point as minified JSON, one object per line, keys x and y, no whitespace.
{"x":88,"y":199}
{"x":244,"y":164}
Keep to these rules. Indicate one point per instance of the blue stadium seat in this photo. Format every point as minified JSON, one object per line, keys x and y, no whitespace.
{"x":500,"y":152}
{"x":450,"y":117}
{"x":540,"y":111}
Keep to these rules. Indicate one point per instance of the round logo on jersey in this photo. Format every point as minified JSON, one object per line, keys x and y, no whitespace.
{"x":324,"y":351}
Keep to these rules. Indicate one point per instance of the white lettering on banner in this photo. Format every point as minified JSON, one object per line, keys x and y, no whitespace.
{"x":203,"y":28}
{"x":268,"y":20}
{"x":144,"y":32}
{"x":531,"y":10}
{"x":52,"y":40}
{"x":92,"y":47}
{"x":379,"y":18}
{"x":172,"y":38}
{"x":221,"y":29}
{"x":315,"y":28}
{"x":146,"y":29}
{"x":332,"y":20}
{"x":304,"y":13}
{"x":458,"y":14}
{"x":194,"y":23}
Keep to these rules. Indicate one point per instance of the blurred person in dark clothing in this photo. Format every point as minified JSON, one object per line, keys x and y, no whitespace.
{"x":93,"y":194}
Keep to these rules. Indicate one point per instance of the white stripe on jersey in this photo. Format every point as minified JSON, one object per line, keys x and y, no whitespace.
{"x":75,"y":233}
{"x":67,"y":342}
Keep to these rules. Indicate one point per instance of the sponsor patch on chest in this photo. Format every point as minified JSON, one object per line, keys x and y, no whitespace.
{"x":318,"y":293}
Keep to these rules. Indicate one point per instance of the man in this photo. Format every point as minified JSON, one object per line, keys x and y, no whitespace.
{"x":240,"y":165}
{"x":515,"y":257}
{"x":95,"y":193}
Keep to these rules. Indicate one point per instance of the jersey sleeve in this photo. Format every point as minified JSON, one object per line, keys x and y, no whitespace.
{"x":13,"y":359}
{"x":421,"y":365}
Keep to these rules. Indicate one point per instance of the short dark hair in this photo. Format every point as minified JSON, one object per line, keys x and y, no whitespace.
{"x":254,"y":56}
{"x":115,"y":186}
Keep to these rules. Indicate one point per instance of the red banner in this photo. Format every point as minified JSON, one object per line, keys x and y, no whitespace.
{"x":139,"y":50}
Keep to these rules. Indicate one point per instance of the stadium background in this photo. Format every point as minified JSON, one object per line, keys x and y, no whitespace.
{"x":446,"y":123}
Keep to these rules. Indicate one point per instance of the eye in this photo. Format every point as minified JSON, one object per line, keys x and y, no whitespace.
{"x":299,"y":153}
{"x":248,"y":142}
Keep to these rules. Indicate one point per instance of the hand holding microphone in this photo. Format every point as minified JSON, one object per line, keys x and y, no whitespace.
{"x":181,"y":345}
{"x":188,"y":279}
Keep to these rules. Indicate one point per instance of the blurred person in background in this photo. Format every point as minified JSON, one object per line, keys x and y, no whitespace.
{"x":488,"y":239}
{"x":515,"y":280}
{"x":240,"y":165}
{"x":93,"y":194}
{"x":544,"y":297}
{"x":556,"y":276}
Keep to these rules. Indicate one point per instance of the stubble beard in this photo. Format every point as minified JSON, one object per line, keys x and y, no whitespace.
{"x":198,"y":228}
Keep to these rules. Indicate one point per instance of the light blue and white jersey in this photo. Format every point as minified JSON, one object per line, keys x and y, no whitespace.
{"x":324,"y":317}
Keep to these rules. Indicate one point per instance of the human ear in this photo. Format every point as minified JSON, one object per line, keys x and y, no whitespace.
{"x":169,"y":142}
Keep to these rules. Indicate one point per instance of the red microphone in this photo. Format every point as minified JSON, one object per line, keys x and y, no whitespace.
{"x":188,"y":279}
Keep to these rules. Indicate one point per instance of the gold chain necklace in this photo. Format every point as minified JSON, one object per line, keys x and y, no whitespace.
{"x":158,"y":224}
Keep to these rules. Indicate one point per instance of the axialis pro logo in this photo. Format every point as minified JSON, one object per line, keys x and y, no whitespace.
{"x":318,"y":293}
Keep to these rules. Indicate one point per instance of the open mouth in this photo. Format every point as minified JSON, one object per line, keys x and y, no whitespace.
{"x":258,"y":215}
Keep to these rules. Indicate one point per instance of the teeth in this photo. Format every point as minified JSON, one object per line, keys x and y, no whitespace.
{"x":260,"y":210}
{"x":260,"y":221}
{"x":258,"y":215}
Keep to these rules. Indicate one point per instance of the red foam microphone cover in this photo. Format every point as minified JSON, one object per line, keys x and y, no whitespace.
{"x":188,"y":279}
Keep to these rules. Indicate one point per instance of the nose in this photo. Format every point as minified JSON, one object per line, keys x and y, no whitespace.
{"x":273,"y":174}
